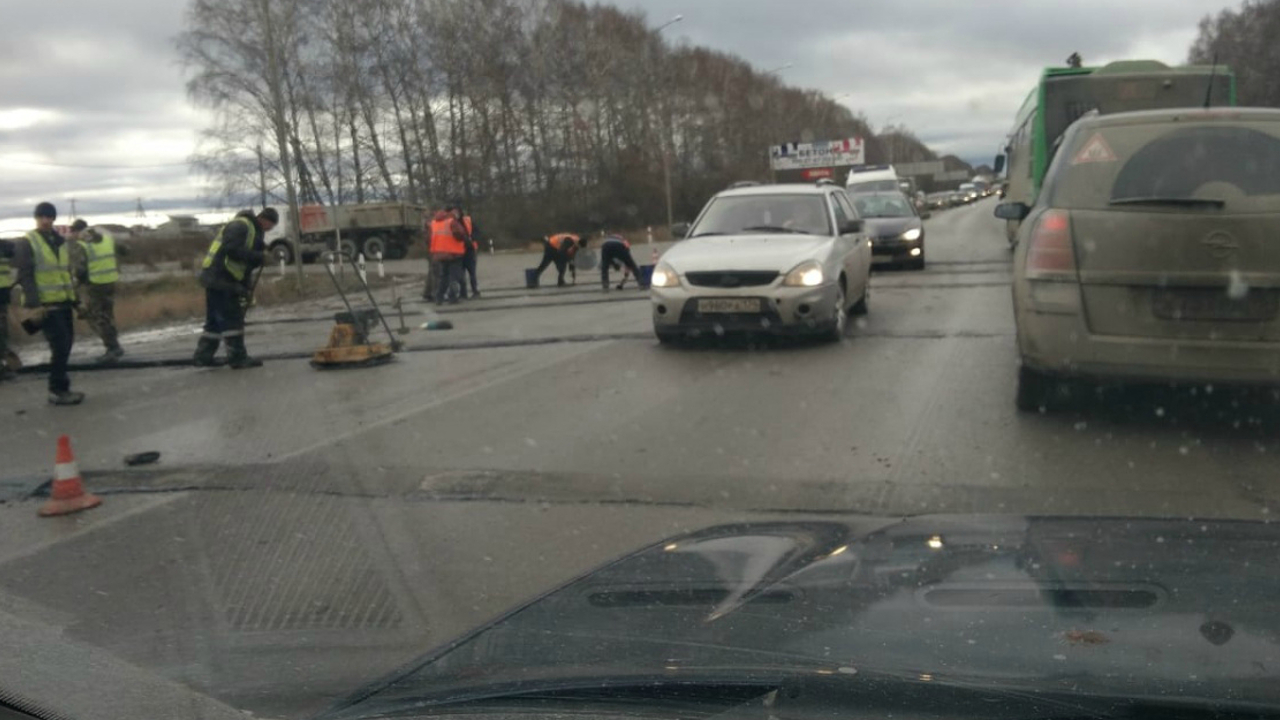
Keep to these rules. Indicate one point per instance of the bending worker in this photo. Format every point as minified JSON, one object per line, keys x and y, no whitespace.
{"x":227,"y":277}
{"x":43,"y":264}
{"x":448,"y":246}
{"x":560,"y":249}
{"x":615,"y":252}
{"x":97,"y":271}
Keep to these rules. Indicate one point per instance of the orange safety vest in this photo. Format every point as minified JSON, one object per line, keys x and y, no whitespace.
{"x":557,"y":242}
{"x":466,"y":223}
{"x":443,"y":240}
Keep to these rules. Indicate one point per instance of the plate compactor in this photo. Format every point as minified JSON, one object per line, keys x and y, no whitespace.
{"x":349,"y":343}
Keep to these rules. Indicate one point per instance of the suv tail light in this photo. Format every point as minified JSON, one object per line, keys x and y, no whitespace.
{"x":1050,"y":254}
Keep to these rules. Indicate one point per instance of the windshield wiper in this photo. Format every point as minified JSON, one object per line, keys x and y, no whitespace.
{"x":1181,"y":202}
{"x":775,"y":228}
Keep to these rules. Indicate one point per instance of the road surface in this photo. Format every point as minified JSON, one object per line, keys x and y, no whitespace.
{"x":307,"y":531}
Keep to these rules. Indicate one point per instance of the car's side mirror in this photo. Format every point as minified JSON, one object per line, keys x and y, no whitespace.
{"x":850,"y":227}
{"x":926,"y":215}
{"x":1012,"y":211}
{"x":999,"y":165}
{"x":680,"y":230}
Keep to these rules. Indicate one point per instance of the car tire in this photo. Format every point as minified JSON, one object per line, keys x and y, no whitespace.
{"x":1036,"y":390}
{"x":281,"y":250}
{"x":862,"y":307}
{"x":373,"y":247}
{"x":836,"y":331}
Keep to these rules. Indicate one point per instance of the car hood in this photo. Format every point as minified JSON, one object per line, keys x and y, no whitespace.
{"x":745,"y":252}
{"x":890,"y":227}
{"x":1131,"y":607}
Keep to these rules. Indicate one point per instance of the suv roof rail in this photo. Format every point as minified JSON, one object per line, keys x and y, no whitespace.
{"x":743,"y":184}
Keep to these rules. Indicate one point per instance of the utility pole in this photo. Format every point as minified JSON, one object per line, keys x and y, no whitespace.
{"x":73,"y":208}
{"x":262,"y":177}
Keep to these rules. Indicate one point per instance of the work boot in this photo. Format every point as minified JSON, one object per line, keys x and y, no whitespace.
{"x":111,"y":355}
{"x":475,"y":293}
{"x":66,"y":397}
{"x":205,"y":351}
{"x":238,"y":357}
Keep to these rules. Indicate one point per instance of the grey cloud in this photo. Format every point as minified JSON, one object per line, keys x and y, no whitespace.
{"x":955,"y":72}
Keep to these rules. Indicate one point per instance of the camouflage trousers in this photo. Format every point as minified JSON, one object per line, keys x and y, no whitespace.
{"x":100,"y":313}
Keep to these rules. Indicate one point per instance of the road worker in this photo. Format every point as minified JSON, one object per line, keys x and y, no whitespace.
{"x":560,"y":249}
{"x":42,"y":260}
{"x":473,"y":250}
{"x":227,"y":275}
{"x":448,"y":247}
{"x":96,"y":269}
{"x":615,"y":253}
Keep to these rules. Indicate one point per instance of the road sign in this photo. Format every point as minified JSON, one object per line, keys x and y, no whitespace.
{"x":932,"y":167}
{"x":826,"y":153}
{"x":818,"y":173}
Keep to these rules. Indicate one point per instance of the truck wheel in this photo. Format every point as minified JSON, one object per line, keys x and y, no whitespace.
{"x":282,"y":251}
{"x":373,"y":247}
{"x":349,"y":249}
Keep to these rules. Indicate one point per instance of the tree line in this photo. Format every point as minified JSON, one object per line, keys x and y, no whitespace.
{"x":539,"y":114}
{"x":1244,"y":39}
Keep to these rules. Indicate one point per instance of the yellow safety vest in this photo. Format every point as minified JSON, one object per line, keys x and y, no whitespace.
{"x":8,"y":276}
{"x":101,"y":257}
{"x":236,"y":268}
{"x":53,"y":271}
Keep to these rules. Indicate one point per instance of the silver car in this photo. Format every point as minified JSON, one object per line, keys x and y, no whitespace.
{"x":771,"y":259}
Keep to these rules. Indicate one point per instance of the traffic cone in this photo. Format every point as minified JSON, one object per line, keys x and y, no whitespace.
{"x":68,"y":494}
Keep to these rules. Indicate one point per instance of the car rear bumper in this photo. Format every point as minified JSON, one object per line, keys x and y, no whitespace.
{"x":786,"y":310}
{"x":1060,"y":344}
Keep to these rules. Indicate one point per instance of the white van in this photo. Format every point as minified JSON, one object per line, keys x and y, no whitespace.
{"x":873,"y":178}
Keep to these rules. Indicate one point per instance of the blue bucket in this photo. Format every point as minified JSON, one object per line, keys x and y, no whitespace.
{"x":646,"y":275}
{"x":531,"y":277}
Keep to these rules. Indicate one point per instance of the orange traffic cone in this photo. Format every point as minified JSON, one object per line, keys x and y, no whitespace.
{"x":68,"y":494}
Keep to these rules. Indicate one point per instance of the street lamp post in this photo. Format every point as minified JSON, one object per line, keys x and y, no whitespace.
{"x":666,"y":145}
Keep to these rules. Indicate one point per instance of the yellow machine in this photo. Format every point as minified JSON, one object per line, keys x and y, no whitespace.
{"x":349,"y":344}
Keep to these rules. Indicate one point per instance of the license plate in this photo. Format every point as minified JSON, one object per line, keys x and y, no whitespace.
{"x":729,"y":305}
{"x":1215,"y":305}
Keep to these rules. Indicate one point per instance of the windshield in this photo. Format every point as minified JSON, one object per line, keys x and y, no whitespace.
{"x":883,"y":206}
{"x":872,"y":186}
{"x":798,"y":214}
{"x":597,"y":358}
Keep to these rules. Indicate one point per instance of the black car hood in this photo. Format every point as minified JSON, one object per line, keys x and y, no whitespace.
{"x":890,"y":227}
{"x":1176,"y":608}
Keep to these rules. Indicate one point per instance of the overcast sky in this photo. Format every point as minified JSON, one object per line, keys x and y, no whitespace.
{"x":97,"y":109}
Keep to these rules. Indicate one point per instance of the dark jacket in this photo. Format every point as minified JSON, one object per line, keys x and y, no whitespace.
{"x":6,"y":252}
{"x":236,"y":245}
{"x":24,"y":262}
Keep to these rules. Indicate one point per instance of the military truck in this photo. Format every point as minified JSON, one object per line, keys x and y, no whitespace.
{"x":388,"y":229}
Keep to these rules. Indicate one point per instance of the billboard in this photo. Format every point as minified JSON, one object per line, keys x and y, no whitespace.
{"x":825,"y":153}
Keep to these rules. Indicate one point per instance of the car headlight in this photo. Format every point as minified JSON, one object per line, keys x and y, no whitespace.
{"x":807,"y":274}
{"x":912,"y":234}
{"x":664,"y":277}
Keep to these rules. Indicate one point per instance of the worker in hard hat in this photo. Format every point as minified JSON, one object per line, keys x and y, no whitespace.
{"x":97,"y":270}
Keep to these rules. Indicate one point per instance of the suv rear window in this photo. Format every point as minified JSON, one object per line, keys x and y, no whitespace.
{"x":874,"y":186}
{"x":1119,"y":167}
